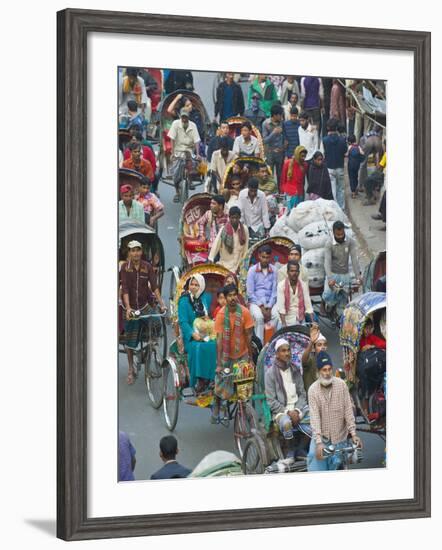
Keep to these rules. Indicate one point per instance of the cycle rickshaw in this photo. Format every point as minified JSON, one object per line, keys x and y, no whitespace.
{"x":176,"y":374}
{"x":371,"y":305}
{"x":193,"y":251}
{"x":375,"y":270}
{"x":194,"y":173}
{"x":265,"y":449}
{"x":280,"y":254}
{"x":235,"y":123}
{"x":245,"y":167}
{"x":153,"y":334}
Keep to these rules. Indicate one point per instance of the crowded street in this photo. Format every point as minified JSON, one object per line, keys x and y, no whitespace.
{"x":353,"y":205}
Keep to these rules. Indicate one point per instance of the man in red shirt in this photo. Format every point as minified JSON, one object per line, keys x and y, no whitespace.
{"x":137,"y":163}
{"x":139,"y":288}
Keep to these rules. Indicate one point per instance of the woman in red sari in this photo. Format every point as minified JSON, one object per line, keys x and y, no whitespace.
{"x":293,"y":177}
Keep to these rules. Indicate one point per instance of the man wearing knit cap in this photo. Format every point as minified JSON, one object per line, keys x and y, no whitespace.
{"x":285,"y":396}
{"x":331,"y":415}
{"x":317,"y":343}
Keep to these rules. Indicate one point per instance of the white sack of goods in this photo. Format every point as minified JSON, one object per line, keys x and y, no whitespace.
{"x":305,"y":213}
{"x":313,"y":261}
{"x":331,"y":211}
{"x":314,"y":235}
{"x":282,"y":229}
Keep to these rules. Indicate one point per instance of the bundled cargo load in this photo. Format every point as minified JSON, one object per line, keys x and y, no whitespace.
{"x":314,"y":235}
{"x":282,"y":229}
{"x":313,"y":261}
{"x":304,"y":214}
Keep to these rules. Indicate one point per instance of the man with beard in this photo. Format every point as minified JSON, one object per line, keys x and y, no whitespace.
{"x":285,"y":394}
{"x":331,"y":415}
{"x":338,"y":251}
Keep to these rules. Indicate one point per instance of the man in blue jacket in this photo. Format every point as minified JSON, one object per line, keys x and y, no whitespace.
{"x":171,"y":469}
{"x":335,"y":148}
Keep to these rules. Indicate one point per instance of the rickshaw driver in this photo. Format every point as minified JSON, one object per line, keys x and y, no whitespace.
{"x":185,"y":140}
{"x":285,"y":395}
{"x":138,"y":282}
{"x":234,"y":331}
{"x":338,"y":250}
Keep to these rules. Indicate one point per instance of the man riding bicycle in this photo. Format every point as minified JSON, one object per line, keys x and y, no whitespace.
{"x":185,"y":140}
{"x":338,"y":250}
{"x":139,"y":287}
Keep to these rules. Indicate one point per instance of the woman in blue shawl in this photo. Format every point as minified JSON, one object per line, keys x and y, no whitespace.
{"x":201,"y":353}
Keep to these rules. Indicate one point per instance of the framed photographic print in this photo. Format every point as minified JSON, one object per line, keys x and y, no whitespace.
{"x":222,"y":281}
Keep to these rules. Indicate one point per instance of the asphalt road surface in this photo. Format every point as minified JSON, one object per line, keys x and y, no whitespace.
{"x":196,"y":436}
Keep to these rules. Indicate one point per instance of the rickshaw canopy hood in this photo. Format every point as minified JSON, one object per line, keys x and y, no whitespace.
{"x":355,"y":315}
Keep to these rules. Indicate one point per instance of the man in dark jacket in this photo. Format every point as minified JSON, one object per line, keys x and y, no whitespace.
{"x":335,"y":148}
{"x":229,"y":99}
{"x":178,"y":80}
{"x":286,"y":397}
{"x":171,"y":469}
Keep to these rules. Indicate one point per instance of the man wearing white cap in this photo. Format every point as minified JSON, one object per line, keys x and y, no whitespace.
{"x":139,"y":285}
{"x":285,"y":394}
{"x":318,"y":343}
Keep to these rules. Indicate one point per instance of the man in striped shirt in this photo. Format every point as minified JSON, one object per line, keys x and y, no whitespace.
{"x":331,"y":415}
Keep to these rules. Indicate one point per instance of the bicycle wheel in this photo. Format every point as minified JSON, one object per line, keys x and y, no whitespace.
{"x":153,"y":373}
{"x":171,"y":396}
{"x":244,"y":422}
{"x":184,"y":188}
{"x":254,"y":456}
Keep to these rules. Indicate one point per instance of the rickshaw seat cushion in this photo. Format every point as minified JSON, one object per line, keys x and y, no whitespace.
{"x":195,"y":245}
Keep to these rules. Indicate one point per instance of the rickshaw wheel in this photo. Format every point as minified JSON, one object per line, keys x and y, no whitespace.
{"x":254,"y":457}
{"x":244,"y":422}
{"x":153,"y":373}
{"x":171,"y":396}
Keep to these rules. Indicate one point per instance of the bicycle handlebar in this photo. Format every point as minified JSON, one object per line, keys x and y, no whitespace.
{"x":330,"y":449}
{"x":150,"y":315}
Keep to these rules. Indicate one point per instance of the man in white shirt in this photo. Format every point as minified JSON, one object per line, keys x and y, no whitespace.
{"x":286,"y":397}
{"x":254,"y":210}
{"x":220,"y":160}
{"x":295,"y":253}
{"x":293,"y":298}
{"x":246,"y":145}
{"x":185,"y":139}
{"x":308,"y":135}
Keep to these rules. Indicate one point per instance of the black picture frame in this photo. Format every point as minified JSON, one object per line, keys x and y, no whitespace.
{"x":73,"y":27}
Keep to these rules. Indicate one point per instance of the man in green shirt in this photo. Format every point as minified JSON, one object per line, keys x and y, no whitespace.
{"x":266,"y":90}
